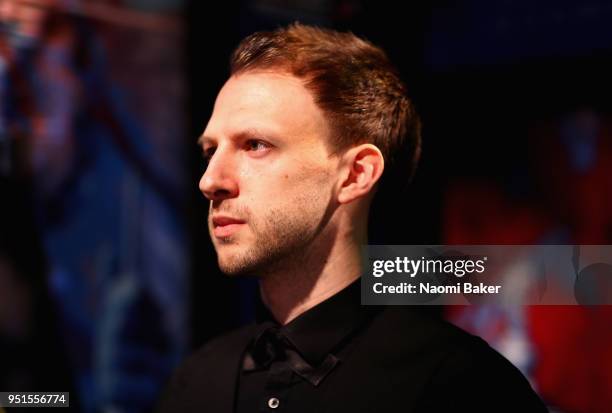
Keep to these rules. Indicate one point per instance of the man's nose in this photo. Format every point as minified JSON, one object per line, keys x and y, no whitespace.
{"x":219,"y":180}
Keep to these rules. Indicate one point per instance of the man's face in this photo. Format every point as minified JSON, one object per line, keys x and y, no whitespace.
{"x":270,"y":174}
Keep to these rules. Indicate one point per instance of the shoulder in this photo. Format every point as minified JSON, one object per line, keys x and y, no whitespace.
{"x":416,"y":329}
{"x":474,"y":376}
{"x":452,"y":368}
{"x":216,"y":353}
{"x":413,"y":339}
{"x":208,"y":371}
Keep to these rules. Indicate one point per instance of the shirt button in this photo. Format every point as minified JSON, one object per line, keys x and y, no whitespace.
{"x":273,"y":403}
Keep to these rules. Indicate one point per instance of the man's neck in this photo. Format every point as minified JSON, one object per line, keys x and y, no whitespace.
{"x":289,"y":293}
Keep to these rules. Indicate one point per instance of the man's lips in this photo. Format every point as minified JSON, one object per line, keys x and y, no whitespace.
{"x":224,"y":226}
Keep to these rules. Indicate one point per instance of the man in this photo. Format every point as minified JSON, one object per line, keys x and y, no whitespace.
{"x":296,"y":144}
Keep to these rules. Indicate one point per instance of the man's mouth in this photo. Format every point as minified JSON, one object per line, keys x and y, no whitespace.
{"x":225,"y":226}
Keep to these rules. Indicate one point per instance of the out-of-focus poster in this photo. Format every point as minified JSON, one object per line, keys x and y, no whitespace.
{"x":563,"y":350}
{"x":92,"y":131}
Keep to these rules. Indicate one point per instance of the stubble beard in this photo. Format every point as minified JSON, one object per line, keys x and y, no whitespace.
{"x":278,"y":244}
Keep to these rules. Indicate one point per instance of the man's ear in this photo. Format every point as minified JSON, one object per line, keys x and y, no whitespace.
{"x":362,"y":167}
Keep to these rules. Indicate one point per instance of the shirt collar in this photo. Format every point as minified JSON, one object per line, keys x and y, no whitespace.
{"x":323,"y":328}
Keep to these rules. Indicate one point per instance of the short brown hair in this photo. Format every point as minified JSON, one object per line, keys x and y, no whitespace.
{"x":352,"y":81}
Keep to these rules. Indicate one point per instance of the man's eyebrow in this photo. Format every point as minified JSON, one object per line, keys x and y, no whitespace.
{"x":246,"y":133}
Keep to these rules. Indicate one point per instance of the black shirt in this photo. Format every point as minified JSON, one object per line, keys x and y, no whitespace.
{"x":285,"y":367}
{"x":340,"y":356}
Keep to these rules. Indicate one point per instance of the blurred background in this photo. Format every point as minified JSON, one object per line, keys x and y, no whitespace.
{"x":107,"y":275}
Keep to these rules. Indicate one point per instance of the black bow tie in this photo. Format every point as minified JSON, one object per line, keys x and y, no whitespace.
{"x":272,"y":346}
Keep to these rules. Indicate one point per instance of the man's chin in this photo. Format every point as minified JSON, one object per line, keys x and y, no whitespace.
{"x":233,"y":264}
{"x":236,"y":271}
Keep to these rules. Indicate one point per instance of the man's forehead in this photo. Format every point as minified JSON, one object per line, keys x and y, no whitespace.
{"x":264,"y":92}
{"x":264,"y":103}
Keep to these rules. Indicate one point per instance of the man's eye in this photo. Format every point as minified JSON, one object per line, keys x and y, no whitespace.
{"x":208,"y":153}
{"x":255,"y":145}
